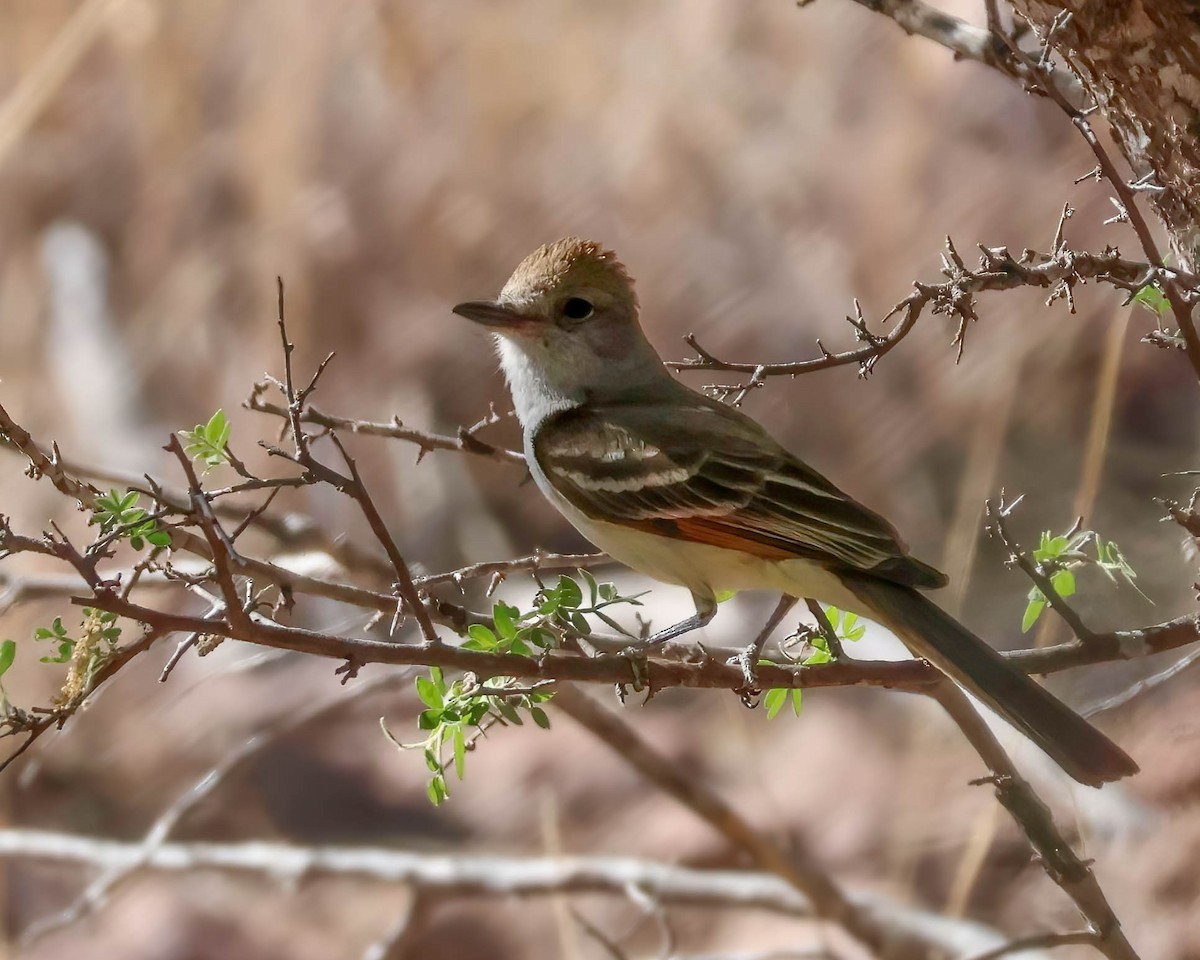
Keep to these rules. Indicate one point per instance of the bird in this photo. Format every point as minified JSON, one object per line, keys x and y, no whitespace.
{"x":691,"y":491}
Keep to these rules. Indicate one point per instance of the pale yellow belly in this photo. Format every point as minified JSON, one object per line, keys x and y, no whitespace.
{"x":707,"y":570}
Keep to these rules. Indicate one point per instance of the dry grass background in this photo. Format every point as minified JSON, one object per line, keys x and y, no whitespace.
{"x":757,"y":167}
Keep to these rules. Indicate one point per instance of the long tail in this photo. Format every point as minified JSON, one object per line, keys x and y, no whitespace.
{"x":1078,"y":747}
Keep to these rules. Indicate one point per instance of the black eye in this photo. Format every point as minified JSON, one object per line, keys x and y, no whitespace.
{"x":577,"y":309}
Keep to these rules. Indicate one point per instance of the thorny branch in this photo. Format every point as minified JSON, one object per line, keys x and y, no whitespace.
{"x":466,"y":440}
{"x":1034,"y":70}
{"x":351,"y":485}
{"x":1058,"y":271}
{"x":1179,"y":297}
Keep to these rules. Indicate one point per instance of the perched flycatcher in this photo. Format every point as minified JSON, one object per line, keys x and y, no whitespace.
{"x":689,"y":491}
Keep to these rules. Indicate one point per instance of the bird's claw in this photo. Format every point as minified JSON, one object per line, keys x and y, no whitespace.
{"x":638,"y":659}
{"x":749,"y":691}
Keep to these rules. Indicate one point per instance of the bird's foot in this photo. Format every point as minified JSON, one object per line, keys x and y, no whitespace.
{"x":747,"y":659}
{"x":639,"y":665}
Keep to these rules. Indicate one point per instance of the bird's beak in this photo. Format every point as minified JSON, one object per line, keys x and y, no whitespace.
{"x":491,"y":314}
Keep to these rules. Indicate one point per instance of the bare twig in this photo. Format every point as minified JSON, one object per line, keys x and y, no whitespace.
{"x":498,"y":570}
{"x":465,"y":441}
{"x":968,"y":42}
{"x":598,"y":936}
{"x":351,"y":485}
{"x":1043,"y":942}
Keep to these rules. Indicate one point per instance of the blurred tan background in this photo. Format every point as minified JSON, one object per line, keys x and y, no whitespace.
{"x":756,"y":166}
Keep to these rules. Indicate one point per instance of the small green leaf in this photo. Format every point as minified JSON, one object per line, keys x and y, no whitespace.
{"x":1152,"y":298}
{"x":477,"y":711}
{"x":8,"y":653}
{"x":797,"y":699}
{"x":429,"y":719}
{"x":208,"y":441}
{"x":507,"y":711}
{"x":482,"y":637}
{"x":540,"y":637}
{"x":774,"y":701}
{"x":723,"y":595}
{"x":1050,"y":547}
{"x":431,"y":761}
{"x":593,"y":587}
{"x":539,"y":717}
{"x":505,"y":618}
{"x":520,"y":647}
{"x":568,"y":591}
{"x":429,"y":694}
{"x":1063,"y":582}
{"x":436,"y":791}
{"x":1033,"y":610}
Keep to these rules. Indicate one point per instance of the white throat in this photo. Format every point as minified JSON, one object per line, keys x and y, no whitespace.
{"x":536,"y":394}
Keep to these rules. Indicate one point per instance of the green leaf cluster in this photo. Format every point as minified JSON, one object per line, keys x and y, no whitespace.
{"x":1059,"y":556}
{"x":846,"y":626}
{"x":119,"y":513}
{"x":456,"y":714}
{"x":64,"y":643}
{"x":208,"y":443}
{"x":512,"y":634}
{"x":557,"y":610}
{"x":102,"y":622}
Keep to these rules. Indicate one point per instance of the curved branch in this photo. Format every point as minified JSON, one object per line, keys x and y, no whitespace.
{"x":998,"y":269}
{"x":442,"y":875}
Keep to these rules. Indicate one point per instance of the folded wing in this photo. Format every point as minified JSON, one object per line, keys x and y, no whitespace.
{"x":708,"y":473}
